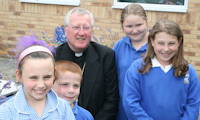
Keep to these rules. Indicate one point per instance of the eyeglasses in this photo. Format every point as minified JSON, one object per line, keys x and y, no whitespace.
{"x":78,"y":28}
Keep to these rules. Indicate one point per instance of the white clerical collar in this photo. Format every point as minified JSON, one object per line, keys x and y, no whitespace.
{"x":156,"y":63}
{"x":78,"y":54}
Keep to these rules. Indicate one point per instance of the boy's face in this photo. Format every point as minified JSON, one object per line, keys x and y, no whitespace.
{"x":37,"y":78}
{"x":67,"y":86}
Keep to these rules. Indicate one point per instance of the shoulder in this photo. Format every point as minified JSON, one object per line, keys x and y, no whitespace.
{"x":60,"y":50}
{"x":65,"y":109}
{"x":6,"y":109}
{"x":191,"y":68}
{"x":83,"y":113}
{"x":137,"y":64}
{"x":120,"y":43}
{"x":57,"y":101}
{"x":60,"y":47}
{"x":63,"y":103}
{"x":192,"y":73}
{"x":100,"y":49}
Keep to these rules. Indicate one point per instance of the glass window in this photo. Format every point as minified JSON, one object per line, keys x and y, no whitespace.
{"x":58,"y":2}
{"x":155,"y":5}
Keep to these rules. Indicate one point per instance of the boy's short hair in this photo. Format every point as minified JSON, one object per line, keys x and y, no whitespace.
{"x":62,"y":66}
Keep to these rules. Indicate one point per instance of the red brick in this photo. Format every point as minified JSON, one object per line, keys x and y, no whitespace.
{"x":17,"y":13}
{"x":100,"y":4}
{"x":198,"y":37}
{"x":197,"y":63}
{"x":2,"y":47}
{"x":186,"y":31}
{"x":30,"y":25}
{"x":189,"y":53}
{"x":21,"y":32}
{"x":11,"y":38}
{"x":12,"y":8}
{"x":2,"y":23}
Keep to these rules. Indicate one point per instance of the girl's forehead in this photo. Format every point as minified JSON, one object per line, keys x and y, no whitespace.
{"x":163,"y":36}
{"x":38,"y":62}
{"x":135,"y":15}
{"x":134,"y":19}
{"x":31,"y":59}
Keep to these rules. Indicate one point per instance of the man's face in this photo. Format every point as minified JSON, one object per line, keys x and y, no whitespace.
{"x":79,"y":32}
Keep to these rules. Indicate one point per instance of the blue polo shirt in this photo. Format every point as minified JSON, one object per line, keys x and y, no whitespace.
{"x":18,"y":108}
{"x":125,"y":54}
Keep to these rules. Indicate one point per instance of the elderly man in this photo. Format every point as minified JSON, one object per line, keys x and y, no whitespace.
{"x":99,"y":89}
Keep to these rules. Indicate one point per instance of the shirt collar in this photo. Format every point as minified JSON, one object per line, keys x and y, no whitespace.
{"x":156,"y":63}
{"x":128,"y":41}
{"x":52,"y":101}
{"x":23,"y":107}
{"x":20,"y":102}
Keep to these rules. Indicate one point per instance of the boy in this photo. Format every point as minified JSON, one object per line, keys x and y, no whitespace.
{"x":67,"y":86}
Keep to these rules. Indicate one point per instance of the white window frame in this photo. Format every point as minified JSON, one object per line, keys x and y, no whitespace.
{"x":57,"y":2}
{"x":155,"y":7}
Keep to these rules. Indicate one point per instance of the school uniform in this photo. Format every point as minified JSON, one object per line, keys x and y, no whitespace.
{"x":17,"y":108}
{"x":159,"y":95}
{"x":81,"y":113}
{"x":125,"y":48}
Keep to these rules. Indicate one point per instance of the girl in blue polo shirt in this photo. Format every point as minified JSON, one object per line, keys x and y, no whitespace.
{"x":162,"y":86}
{"x":132,"y":46}
{"x":35,"y":71}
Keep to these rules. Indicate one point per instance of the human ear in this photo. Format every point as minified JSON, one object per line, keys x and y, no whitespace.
{"x":152,"y":41}
{"x":66,"y":28}
{"x":18,"y":75}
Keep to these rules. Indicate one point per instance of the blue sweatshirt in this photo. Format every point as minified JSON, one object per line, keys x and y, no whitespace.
{"x":159,"y":95}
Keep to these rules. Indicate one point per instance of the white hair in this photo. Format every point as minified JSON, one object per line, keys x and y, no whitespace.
{"x":80,"y":11}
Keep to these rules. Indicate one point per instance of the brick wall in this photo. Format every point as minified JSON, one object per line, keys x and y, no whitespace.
{"x":17,"y":19}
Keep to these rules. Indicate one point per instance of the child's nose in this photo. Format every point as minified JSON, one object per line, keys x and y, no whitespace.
{"x":71,"y":89}
{"x":166,"y":47}
{"x":41,"y":83}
